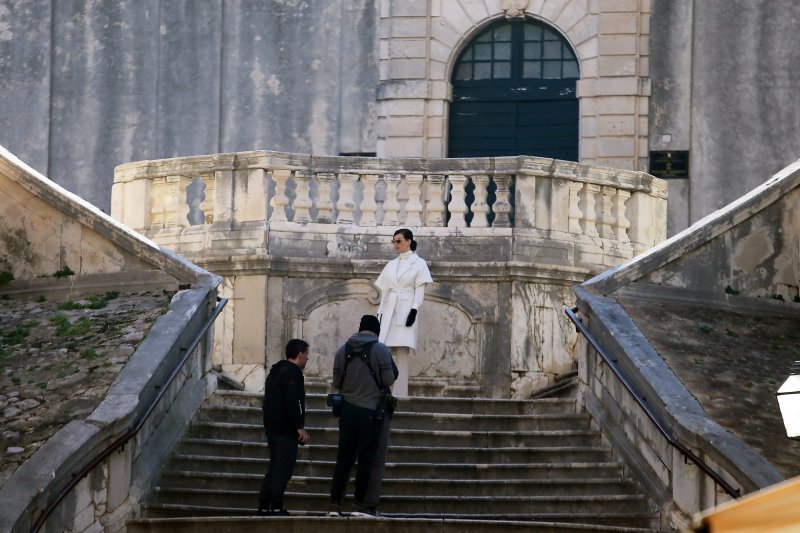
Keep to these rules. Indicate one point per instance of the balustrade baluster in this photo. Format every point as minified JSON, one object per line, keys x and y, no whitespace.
{"x":413,"y":206}
{"x":158,"y":201}
{"x":391,"y":206}
{"x":369,"y":207}
{"x":480,"y":208}
{"x":302,"y":201}
{"x":590,"y":191}
{"x":434,"y":200}
{"x":607,"y":218}
{"x":622,"y":222}
{"x":457,"y":205}
{"x":280,"y":200}
{"x":502,"y":202}
{"x":174,"y":209}
{"x":575,"y":214}
{"x":324,"y":202}
{"x":346,"y":206}
{"x":209,"y":200}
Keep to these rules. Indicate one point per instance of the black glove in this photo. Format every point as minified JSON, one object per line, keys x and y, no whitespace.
{"x":412,"y":316}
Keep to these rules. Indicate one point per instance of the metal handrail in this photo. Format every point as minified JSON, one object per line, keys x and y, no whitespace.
{"x":689,"y":454}
{"x":111,"y":448}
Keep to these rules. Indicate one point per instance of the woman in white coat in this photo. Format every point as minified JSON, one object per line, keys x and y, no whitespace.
{"x":402,"y":286}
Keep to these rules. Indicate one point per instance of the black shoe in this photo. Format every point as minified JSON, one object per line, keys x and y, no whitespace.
{"x":365,"y":511}
{"x":335,"y":510}
{"x":262,"y":512}
{"x":280,"y":512}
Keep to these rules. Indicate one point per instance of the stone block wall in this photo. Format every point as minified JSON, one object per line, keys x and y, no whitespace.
{"x":420,"y":42}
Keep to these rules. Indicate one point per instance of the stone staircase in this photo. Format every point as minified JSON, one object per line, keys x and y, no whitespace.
{"x":455,"y":464}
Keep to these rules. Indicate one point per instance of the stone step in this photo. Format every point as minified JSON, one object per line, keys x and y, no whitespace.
{"x":450,"y":459}
{"x":412,"y":420}
{"x":422,"y":404}
{"x":245,"y":465}
{"x":421,"y":453}
{"x":313,"y":524}
{"x":424,"y":487}
{"x":439,"y":388}
{"x":434,"y":504}
{"x":554,"y":435}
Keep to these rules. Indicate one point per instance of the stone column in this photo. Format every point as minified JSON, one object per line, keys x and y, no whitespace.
{"x":622,"y":223}
{"x":457,"y":205}
{"x":390,"y":206}
{"x":368,"y":205}
{"x":345,"y":207}
{"x":209,"y":197}
{"x":302,"y":201}
{"x":324,"y":202}
{"x":413,"y":206}
{"x":280,"y":200}
{"x":434,"y":200}
{"x":480,"y":208}
{"x":589,"y":216}
{"x":607,"y":215}
{"x":575,"y":214}
{"x":502,"y":203}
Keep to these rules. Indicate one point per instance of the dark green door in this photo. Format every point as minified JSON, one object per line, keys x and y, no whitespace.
{"x":514,"y":94}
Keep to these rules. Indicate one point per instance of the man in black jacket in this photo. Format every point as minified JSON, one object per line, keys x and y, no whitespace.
{"x":284,"y":410}
{"x":370,"y":368}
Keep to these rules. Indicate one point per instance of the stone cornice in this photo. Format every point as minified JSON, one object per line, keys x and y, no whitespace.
{"x":336,"y":268}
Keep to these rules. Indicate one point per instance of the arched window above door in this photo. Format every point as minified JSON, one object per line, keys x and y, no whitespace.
{"x":514,"y":94}
{"x":525,"y":51}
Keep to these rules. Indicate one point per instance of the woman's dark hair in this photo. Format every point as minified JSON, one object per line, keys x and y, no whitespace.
{"x":294,"y":347}
{"x":407,"y":235}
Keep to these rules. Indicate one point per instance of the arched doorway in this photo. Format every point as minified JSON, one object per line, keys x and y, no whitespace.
{"x":514,"y":94}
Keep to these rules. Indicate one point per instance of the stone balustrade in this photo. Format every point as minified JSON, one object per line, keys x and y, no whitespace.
{"x":518,"y":192}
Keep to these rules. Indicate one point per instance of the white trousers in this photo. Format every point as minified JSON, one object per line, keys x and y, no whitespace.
{"x":401,"y":355}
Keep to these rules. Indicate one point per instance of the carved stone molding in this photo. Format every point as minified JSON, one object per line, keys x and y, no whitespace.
{"x":514,"y":9}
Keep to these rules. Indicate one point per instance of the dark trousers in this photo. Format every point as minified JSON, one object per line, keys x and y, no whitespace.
{"x":375,"y":486}
{"x":358,"y":437}
{"x":282,"y":457}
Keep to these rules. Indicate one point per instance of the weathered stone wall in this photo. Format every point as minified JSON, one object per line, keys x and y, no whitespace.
{"x":44,"y":228}
{"x":758,"y":258}
{"x":748,"y":250}
{"x":725,"y":80}
{"x":37,"y":239}
{"x":87,"y":85}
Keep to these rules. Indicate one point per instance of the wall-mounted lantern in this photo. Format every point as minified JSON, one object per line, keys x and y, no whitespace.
{"x":789,"y":401}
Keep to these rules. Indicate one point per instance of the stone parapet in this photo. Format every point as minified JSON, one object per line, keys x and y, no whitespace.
{"x":524,"y":193}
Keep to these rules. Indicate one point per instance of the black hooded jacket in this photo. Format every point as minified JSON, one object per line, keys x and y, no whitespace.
{"x":284,"y":405}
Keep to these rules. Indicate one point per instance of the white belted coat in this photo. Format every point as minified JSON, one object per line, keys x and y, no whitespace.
{"x":402,"y":285}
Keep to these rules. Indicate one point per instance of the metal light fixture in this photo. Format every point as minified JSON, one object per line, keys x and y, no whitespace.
{"x":789,"y":401}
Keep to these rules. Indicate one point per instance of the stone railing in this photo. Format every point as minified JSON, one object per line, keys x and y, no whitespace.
{"x":519,"y":192}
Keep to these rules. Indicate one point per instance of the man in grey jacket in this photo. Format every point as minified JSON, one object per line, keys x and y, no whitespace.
{"x":362,"y":367}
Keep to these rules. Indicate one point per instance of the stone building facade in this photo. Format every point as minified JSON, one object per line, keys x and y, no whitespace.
{"x":420,"y":43}
{"x":89,"y":85}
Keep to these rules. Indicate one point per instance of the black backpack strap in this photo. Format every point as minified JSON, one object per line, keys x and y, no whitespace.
{"x":364,"y":356}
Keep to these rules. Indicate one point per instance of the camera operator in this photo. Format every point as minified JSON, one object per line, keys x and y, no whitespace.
{"x":363,"y":369}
